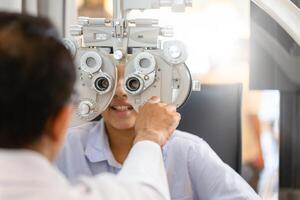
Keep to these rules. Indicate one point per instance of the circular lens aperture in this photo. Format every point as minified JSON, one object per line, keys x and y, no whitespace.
{"x":133,"y":84}
{"x":102,"y":84}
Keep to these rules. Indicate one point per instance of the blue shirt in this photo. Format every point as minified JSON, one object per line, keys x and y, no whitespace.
{"x":194,"y":171}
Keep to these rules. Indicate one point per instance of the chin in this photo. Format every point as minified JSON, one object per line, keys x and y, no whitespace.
{"x":123,"y":124}
{"x":123,"y":127}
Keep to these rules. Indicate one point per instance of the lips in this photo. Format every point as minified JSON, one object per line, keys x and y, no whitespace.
{"x":122,"y":108}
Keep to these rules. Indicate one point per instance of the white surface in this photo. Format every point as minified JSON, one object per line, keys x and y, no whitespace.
{"x":27,"y":175}
{"x":11,"y":5}
{"x":285,"y":13}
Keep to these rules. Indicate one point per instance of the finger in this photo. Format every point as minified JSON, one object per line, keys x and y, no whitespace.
{"x":162,"y":104}
{"x":154,"y":99}
{"x":177,"y":118}
{"x":170,"y":108}
{"x":140,"y":108}
{"x":142,"y":105}
{"x":179,"y":115}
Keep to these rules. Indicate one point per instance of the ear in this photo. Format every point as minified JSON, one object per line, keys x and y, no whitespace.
{"x":60,"y":123}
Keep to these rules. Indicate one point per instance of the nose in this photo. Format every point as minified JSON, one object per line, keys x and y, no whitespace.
{"x":120,"y":92}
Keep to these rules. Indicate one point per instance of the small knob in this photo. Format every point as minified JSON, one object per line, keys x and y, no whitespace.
{"x":118,"y":54}
{"x":167,"y":31}
{"x":174,"y":51}
{"x":85,"y":108}
{"x":196,"y":85}
{"x":75,"y":30}
{"x":83,"y":21}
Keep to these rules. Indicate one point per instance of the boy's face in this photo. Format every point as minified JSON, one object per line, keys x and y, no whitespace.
{"x":120,"y":114}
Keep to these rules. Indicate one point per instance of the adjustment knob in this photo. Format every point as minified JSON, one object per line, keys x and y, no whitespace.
{"x":75,"y":30}
{"x":174,"y":52}
{"x":167,"y":31}
{"x":83,"y":20}
{"x":85,"y":108}
{"x":118,"y":54}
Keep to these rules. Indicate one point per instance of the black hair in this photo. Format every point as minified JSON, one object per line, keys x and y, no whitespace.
{"x":37,"y":76}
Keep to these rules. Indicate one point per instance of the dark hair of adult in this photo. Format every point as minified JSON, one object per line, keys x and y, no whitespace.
{"x":37,"y":76}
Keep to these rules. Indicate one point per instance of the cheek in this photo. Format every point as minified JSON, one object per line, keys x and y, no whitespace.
{"x":105,"y":114}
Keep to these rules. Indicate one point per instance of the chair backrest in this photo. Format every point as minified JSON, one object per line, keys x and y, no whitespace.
{"x":214,"y":114}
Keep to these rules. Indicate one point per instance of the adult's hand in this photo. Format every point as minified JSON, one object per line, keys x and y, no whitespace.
{"x":156,"y":121}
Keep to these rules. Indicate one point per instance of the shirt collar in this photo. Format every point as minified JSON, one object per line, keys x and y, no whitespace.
{"x":97,"y":147}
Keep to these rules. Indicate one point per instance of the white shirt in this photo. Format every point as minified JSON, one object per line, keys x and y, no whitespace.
{"x":194,"y":171}
{"x":27,"y":175}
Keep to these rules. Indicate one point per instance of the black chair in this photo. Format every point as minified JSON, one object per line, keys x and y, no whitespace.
{"x":214,"y":114}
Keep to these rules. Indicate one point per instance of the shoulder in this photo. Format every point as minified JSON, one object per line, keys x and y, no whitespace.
{"x":78,"y":138}
{"x":182,"y":136}
{"x":75,"y":145}
{"x":80,"y":133}
{"x":186,"y":143}
{"x":82,"y":129}
{"x":185,"y":139}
